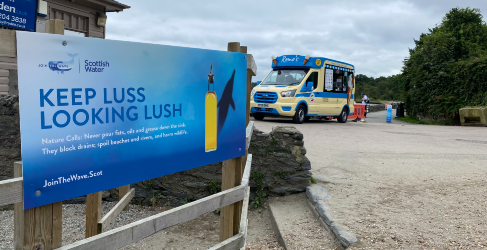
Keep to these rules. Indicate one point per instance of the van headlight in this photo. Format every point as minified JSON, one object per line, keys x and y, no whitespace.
{"x":289,"y":93}
{"x":252,"y":93}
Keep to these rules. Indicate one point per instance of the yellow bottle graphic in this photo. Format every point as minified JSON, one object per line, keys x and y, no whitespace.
{"x":211,"y":114}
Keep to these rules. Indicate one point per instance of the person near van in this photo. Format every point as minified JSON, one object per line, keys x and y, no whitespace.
{"x":365,"y":100}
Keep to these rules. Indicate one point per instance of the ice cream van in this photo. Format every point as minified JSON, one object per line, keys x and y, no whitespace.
{"x":302,"y":86}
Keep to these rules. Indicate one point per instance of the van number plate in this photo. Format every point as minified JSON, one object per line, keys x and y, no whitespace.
{"x":262,"y":105}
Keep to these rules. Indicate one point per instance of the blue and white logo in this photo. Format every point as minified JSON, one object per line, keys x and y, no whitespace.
{"x":60,"y":66}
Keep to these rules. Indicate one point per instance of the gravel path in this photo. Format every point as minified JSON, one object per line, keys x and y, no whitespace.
{"x":428,"y":216}
{"x":298,"y":226}
{"x":260,"y":235}
{"x":6,"y":229}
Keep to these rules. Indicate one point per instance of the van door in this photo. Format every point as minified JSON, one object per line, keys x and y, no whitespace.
{"x":313,"y":103}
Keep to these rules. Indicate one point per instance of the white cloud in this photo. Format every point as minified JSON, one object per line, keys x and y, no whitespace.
{"x":373,"y":35}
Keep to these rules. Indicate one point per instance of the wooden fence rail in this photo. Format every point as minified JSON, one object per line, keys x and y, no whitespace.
{"x":11,"y":191}
{"x":112,"y":214}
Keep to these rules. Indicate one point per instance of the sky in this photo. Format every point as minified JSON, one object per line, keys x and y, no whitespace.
{"x":373,"y":35}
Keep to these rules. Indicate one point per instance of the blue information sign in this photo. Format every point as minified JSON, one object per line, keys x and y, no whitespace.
{"x":18,"y":14}
{"x":97,"y":114}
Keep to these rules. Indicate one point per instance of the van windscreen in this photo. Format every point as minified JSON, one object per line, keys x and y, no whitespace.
{"x":285,"y":77}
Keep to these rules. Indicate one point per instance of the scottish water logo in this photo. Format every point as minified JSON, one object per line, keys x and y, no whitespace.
{"x":60,"y":66}
{"x":96,"y":66}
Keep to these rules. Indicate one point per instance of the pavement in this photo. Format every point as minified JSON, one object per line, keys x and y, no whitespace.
{"x":391,"y":183}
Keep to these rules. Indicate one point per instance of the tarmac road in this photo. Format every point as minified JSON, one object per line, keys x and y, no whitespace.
{"x":401,"y":186}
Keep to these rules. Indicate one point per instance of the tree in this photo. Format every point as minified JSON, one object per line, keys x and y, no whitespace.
{"x":444,"y":72}
{"x":382,"y":88}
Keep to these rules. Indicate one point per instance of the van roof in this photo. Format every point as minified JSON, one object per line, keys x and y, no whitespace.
{"x":297,"y":61}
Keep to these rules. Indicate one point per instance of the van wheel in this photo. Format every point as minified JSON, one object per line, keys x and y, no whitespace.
{"x":343,"y":116}
{"x":300,"y":115}
{"x":258,"y":116}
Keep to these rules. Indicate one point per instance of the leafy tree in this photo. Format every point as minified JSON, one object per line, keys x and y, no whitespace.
{"x":382,"y":88}
{"x":446,"y":69}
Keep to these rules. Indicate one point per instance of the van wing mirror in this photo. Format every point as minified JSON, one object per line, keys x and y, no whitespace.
{"x":307,"y":87}
{"x":310,"y":86}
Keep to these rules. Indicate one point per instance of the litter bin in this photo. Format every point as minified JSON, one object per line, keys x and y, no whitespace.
{"x":400,"y":110}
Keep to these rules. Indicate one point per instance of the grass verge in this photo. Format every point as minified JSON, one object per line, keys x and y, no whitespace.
{"x":416,"y":121}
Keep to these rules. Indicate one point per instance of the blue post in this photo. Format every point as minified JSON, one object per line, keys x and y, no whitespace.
{"x":389,"y":113}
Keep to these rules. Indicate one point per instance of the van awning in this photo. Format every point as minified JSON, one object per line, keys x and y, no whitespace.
{"x":339,"y":68}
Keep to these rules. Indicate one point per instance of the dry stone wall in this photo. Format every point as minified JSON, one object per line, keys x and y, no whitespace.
{"x":9,"y":135}
{"x":281,"y":157}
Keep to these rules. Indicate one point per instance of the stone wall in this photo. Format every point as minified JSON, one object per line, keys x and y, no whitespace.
{"x":9,"y":135}
{"x":376,"y":107}
{"x":280,"y":155}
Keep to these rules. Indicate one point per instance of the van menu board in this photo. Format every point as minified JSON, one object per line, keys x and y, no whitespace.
{"x":329,"y":79}
{"x":18,"y":14}
{"x":97,"y":114}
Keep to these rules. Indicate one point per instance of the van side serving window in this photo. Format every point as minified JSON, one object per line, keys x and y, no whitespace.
{"x":339,"y":81}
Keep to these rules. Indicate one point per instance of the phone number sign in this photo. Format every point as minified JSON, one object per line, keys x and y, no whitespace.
{"x":18,"y":14}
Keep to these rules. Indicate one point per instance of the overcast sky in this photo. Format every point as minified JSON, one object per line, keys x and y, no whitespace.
{"x":373,"y":35}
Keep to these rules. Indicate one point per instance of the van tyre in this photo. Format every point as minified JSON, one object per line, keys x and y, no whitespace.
{"x":300,"y":115}
{"x":258,"y":116}
{"x":343,"y":116}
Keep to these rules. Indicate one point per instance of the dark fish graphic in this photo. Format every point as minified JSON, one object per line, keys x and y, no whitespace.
{"x":225,"y":102}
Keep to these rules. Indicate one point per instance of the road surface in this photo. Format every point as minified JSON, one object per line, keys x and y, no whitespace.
{"x":398,"y":185}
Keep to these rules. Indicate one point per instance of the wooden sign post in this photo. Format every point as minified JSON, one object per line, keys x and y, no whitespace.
{"x":229,"y":169}
{"x":39,"y":228}
{"x":93,"y":213}
{"x":251,"y":71}
{"x":122,"y":191}
{"x":232,"y":170}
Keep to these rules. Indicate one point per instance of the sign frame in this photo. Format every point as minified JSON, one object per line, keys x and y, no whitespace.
{"x":96,"y":65}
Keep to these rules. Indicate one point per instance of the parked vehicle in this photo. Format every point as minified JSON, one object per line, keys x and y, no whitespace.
{"x":302,"y":86}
